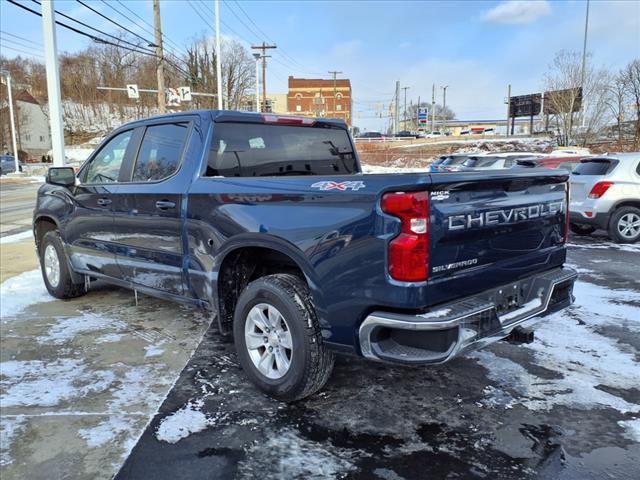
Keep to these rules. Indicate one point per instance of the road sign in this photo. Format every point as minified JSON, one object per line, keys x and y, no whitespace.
{"x":173,"y":97}
{"x":185,"y":94}
{"x":526,"y":105}
{"x":132,"y":91}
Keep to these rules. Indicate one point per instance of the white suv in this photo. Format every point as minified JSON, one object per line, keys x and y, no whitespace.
{"x":605,"y":193}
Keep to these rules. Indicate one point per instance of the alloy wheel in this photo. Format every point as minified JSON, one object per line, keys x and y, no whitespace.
{"x":52,"y":265}
{"x":629,"y":225}
{"x":268,"y":340}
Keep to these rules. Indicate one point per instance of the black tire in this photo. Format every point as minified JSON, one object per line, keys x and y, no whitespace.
{"x":65,"y":287}
{"x":582,"y":229}
{"x":311,"y":363}
{"x":615,"y":225}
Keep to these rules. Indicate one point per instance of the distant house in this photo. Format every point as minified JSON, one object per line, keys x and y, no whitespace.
{"x":32,"y":125}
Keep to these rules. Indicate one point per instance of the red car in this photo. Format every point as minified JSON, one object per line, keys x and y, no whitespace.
{"x":566,"y":162}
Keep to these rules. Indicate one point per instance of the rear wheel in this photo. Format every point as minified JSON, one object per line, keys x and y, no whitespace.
{"x":624,"y":226}
{"x":582,"y":229}
{"x":278,"y":338}
{"x":55,"y":268}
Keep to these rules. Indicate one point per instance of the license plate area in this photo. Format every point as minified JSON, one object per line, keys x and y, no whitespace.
{"x":511,"y":297}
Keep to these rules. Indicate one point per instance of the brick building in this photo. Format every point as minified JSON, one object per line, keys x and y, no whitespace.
{"x":314,"y":97}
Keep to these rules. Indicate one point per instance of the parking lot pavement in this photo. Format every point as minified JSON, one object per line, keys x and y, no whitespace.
{"x":17,"y":199}
{"x":82,"y":380}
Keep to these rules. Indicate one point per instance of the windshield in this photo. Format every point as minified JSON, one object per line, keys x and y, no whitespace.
{"x":453,"y":160}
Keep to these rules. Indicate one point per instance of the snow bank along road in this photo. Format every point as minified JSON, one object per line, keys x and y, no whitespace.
{"x":96,"y":386}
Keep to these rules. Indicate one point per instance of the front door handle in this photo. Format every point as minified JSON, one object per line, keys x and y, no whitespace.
{"x":103,"y":202}
{"x":165,"y":205}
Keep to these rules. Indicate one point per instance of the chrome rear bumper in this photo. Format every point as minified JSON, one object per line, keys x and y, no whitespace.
{"x":449,"y":330}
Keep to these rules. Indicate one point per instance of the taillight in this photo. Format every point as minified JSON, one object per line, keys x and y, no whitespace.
{"x":599,"y":189}
{"x":567,"y":190}
{"x":409,"y":251}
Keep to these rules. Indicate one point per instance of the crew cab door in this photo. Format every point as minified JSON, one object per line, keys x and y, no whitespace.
{"x":147,"y":219}
{"x":88,"y":231}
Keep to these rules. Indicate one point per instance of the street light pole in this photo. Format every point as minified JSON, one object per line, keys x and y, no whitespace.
{"x":7,"y":74}
{"x":53,"y":83}
{"x":218,"y":56}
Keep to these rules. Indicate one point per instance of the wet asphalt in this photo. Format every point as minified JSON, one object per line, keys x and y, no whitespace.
{"x":374,"y":421}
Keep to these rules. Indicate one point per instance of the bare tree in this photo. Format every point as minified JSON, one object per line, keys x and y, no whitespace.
{"x":631,"y":79}
{"x":568,"y":107}
{"x":616,"y":102}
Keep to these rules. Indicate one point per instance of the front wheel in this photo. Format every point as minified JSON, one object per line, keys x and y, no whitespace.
{"x":55,"y":268}
{"x":624,"y":226}
{"x":278,"y":340}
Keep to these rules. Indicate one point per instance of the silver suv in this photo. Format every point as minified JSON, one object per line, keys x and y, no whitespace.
{"x":605,"y":193}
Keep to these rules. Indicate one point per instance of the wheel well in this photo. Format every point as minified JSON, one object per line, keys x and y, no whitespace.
{"x":242,"y":266}
{"x":42,"y":226}
{"x":628,"y":203}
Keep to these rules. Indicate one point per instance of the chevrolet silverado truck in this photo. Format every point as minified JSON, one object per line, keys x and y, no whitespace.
{"x":267,"y":222}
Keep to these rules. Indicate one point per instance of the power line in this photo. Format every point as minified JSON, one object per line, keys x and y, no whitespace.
{"x":15,"y":42}
{"x":149,"y":44}
{"x":21,"y":38}
{"x":23,"y":51}
{"x":193,"y":7}
{"x":101,"y":40}
{"x":146,"y":30}
{"x":85,"y":25}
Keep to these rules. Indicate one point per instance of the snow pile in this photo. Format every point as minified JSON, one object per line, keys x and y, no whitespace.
{"x":632,"y":429}
{"x":189,"y":419}
{"x":22,"y":291}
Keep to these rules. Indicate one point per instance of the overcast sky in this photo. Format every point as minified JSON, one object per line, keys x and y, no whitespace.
{"x":475,"y":47}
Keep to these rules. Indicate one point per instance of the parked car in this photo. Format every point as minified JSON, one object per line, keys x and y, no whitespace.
{"x":464,"y":132}
{"x":267,"y":222}
{"x":605,"y":193}
{"x":448,"y":163}
{"x":566,"y":162}
{"x":371,"y":135}
{"x":570,"y":152}
{"x":434,"y":134}
{"x":406,"y":133}
{"x":8,"y":164}
{"x":493,"y":161}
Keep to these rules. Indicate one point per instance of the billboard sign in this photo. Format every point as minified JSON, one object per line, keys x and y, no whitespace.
{"x":563,"y":101}
{"x":526,"y":105}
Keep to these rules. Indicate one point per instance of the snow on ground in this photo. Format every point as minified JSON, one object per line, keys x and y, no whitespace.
{"x":20,"y":292}
{"x":16,"y":237}
{"x":9,"y":429}
{"x":569,"y":344}
{"x":381,"y":169}
{"x":106,"y":431}
{"x":77,"y":154}
{"x":189,"y":419}
{"x":632,"y":429}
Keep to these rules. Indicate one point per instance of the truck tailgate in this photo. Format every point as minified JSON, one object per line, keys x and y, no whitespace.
{"x":488,"y":229}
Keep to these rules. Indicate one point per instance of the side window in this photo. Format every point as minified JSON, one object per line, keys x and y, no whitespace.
{"x":638,"y":168}
{"x":105,"y":166}
{"x":160,"y":152}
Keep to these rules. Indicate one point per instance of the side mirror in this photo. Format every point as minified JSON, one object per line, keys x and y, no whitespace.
{"x":63,"y":176}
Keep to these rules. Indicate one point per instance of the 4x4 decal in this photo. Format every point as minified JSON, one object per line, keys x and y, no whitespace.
{"x":342,"y":186}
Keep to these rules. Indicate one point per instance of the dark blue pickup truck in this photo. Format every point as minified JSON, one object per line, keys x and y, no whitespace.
{"x":268,"y":222}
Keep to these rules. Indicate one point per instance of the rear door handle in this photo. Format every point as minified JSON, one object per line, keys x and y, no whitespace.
{"x":165,"y":205}
{"x":103,"y":202}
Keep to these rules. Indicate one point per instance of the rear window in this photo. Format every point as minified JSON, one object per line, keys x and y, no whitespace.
{"x":255,"y":150}
{"x":594,"y":167}
{"x":453,"y":160}
{"x":480,"y":162}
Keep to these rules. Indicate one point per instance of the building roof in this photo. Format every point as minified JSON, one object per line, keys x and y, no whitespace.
{"x":318,"y":82}
{"x":21,"y":95}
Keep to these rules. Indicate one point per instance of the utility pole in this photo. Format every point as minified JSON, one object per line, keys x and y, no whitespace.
{"x":418,"y":115}
{"x":444,"y":106}
{"x":159,"y":56}
{"x":218,"y":57}
{"x":405,"y":106}
{"x":264,"y":47}
{"x":584,"y":65}
{"x":257,"y":57}
{"x":433,"y":108}
{"x":508,"y":108}
{"x":397,"y":107}
{"x":7,"y":75}
{"x":53,"y":83}
{"x":334,"y":73}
